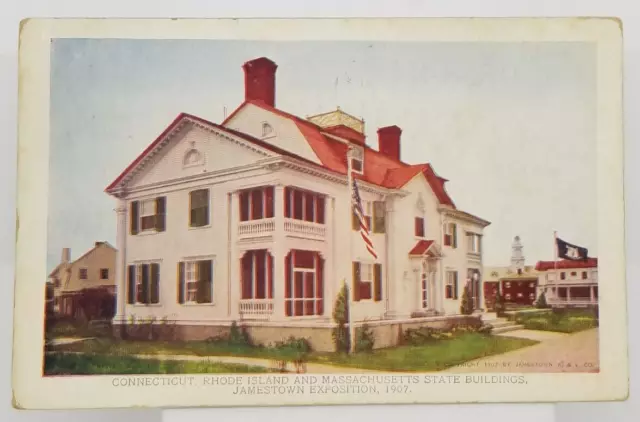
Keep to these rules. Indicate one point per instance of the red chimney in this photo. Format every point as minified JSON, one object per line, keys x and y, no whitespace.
{"x":260,"y":80}
{"x":389,"y":141}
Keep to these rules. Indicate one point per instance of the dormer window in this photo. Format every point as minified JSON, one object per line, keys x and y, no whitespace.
{"x":357,"y":160}
{"x":267,"y":130}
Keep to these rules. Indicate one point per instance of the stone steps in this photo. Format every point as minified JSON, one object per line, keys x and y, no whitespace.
{"x":500,"y":324}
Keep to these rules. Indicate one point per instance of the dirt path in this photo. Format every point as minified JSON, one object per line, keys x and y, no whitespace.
{"x":564,"y":353}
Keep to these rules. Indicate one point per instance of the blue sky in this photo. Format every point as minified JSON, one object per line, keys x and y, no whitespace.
{"x":512,"y":126}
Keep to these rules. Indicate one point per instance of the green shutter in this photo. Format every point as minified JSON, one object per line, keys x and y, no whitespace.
{"x":155,"y":283}
{"x":131,"y":285}
{"x":134,"y":217}
{"x":205,"y":281}
{"x":160,"y":214}
{"x":377,"y":282}
{"x":180,"y":282}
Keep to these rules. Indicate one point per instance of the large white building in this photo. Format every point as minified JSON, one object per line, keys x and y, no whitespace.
{"x":568,"y":283}
{"x":250,"y":220}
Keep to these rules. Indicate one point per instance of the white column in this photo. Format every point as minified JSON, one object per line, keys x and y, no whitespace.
{"x":121,"y":260}
{"x":234,"y":257}
{"x":331,"y":281}
{"x":568,"y":294}
{"x":278,"y":252}
{"x":591,"y":295}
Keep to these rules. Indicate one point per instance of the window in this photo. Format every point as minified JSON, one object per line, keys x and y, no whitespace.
{"x":257,"y":275}
{"x":379,"y":217}
{"x":451,"y":289}
{"x":304,"y":283}
{"x":256,"y":204}
{"x":357,"y":159}
{"x":266,"y":129}
{"x":507,"y":284}
{"x":419,"y":227}
{"x":473,"y":243}
{"x":148,"y":215}
{"x":195,"y":281}
{"x":451,"y":235}
{"x":424,"y":278}
{"x":104,"y":273}
{"x":574,"y":274}
{"x":143,"y":284}
{"x":584,"y":275}
{"x":563,"y":275}
{"x":304,"y":205}
{"x":82,"y":273}
{"x":355,"y":221}
{"x":367,"y":281}
{"x":199,"y":208}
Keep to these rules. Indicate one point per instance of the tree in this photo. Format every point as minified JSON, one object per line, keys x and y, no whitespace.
{"x":96,"y":303}
{"x":541,"y":303}
{"x":499,"y":305}
{"x":340,"y":334}
{"x":466,"y":303}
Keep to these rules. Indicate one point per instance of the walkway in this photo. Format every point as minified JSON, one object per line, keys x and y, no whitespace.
{"x":557,"y":353}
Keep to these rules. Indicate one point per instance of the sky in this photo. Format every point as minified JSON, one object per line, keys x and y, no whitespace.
{"x":510,"y":125}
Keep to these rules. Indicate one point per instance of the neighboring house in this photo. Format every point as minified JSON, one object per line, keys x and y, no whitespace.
{"x":251,"y":220}
{"x":48,"y":299}
{"x":568,"y":283}
{"x":518,"y":283}
{"x":93,"y":270}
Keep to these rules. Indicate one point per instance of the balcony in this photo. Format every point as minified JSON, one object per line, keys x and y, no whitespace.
{"x":256,"y":228}
{"x":258,"y":309}
{"x":304,"y":229}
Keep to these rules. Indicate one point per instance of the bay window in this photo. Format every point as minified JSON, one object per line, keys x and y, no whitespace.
{"x":304,"y":205}
{"x":257,"y":203}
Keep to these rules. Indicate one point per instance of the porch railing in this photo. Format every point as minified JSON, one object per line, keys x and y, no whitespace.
{"x":572,"y":301}
{"x":304,"y":228}
{"x":256,"y":228}
{"x":256,"y":308}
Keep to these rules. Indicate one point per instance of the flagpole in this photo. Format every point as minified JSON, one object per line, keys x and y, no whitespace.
{"x":352,"y":328}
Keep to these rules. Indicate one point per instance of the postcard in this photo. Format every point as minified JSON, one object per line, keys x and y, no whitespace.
{"x":319,"y":211}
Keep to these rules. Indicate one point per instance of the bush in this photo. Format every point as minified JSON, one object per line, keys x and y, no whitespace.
{"x":340,"y":333}
{"x":466,"y":303}
{"x":294,"y":350}
{"x":238,"y":336}
{"x":499,"y":306}
{"x":97,"y":303}
{"x":541,"y":303}
{"x":365,"y":339}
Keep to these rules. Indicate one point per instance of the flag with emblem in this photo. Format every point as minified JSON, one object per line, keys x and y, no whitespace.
{"x":364,"y":227}
{"x":568,"y":251}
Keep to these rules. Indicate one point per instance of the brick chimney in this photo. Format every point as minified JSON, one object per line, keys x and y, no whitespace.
{"x":389,"y":141}
{"x":66,"y":255}
{"x":260,"y":80}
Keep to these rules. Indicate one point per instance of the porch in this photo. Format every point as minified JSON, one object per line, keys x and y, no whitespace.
{"x":572,"y":295}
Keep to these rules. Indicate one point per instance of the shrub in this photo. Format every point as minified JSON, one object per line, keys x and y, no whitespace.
{"x":238,"y":336}
{"x":466,"y":303}
{"x":340,"y":333}
{"x":541,"y":303}
{"x":97,"y":303}
{"x":499,"y":306}
{"x":365,"y":339}
{"x":293,"y":349}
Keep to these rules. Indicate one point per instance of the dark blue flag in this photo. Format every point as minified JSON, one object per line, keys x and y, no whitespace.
{"x":568,"y":251}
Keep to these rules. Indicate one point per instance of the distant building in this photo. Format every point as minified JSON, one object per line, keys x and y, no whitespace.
{"x":518,"y":283}
{"x":95,"y":269}
{"x":568,"y":283}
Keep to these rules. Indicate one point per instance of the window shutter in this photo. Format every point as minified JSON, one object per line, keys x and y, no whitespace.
{"x":377,"y":282}
{"x":319,"y":285}
{"x":134,"y":217}
{"x":131,"y":285}
{"x":192,"y":211}
{"x":155,"y":283}
{"x":455,"y":238}
{"x":205,"y":280}
{"x":206,"y":211}
{"x":144,"y":291}
{"x":180,"y":282}
{"x":160,"y":213}
{"x":356,"y":281}
{"x":455,"y":285}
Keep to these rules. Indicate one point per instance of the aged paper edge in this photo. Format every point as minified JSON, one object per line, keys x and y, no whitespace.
{"x":32,"y":391}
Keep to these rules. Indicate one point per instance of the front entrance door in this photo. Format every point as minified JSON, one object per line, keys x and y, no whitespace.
{"x":476,"y":291}
{"x":427,"y":285}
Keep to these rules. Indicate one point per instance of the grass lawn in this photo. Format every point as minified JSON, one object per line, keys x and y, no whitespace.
{"x":433,"y":356}
{"x":568,"y":321}
{"x":75,"y":364}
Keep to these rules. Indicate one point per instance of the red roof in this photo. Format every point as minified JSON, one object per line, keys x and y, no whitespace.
{"x":379,"y":169}
{"x":421,"y":248}
{"x":566,"y":264}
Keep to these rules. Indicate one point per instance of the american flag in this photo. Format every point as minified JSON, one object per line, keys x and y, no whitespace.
{"x":364,"y":228}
